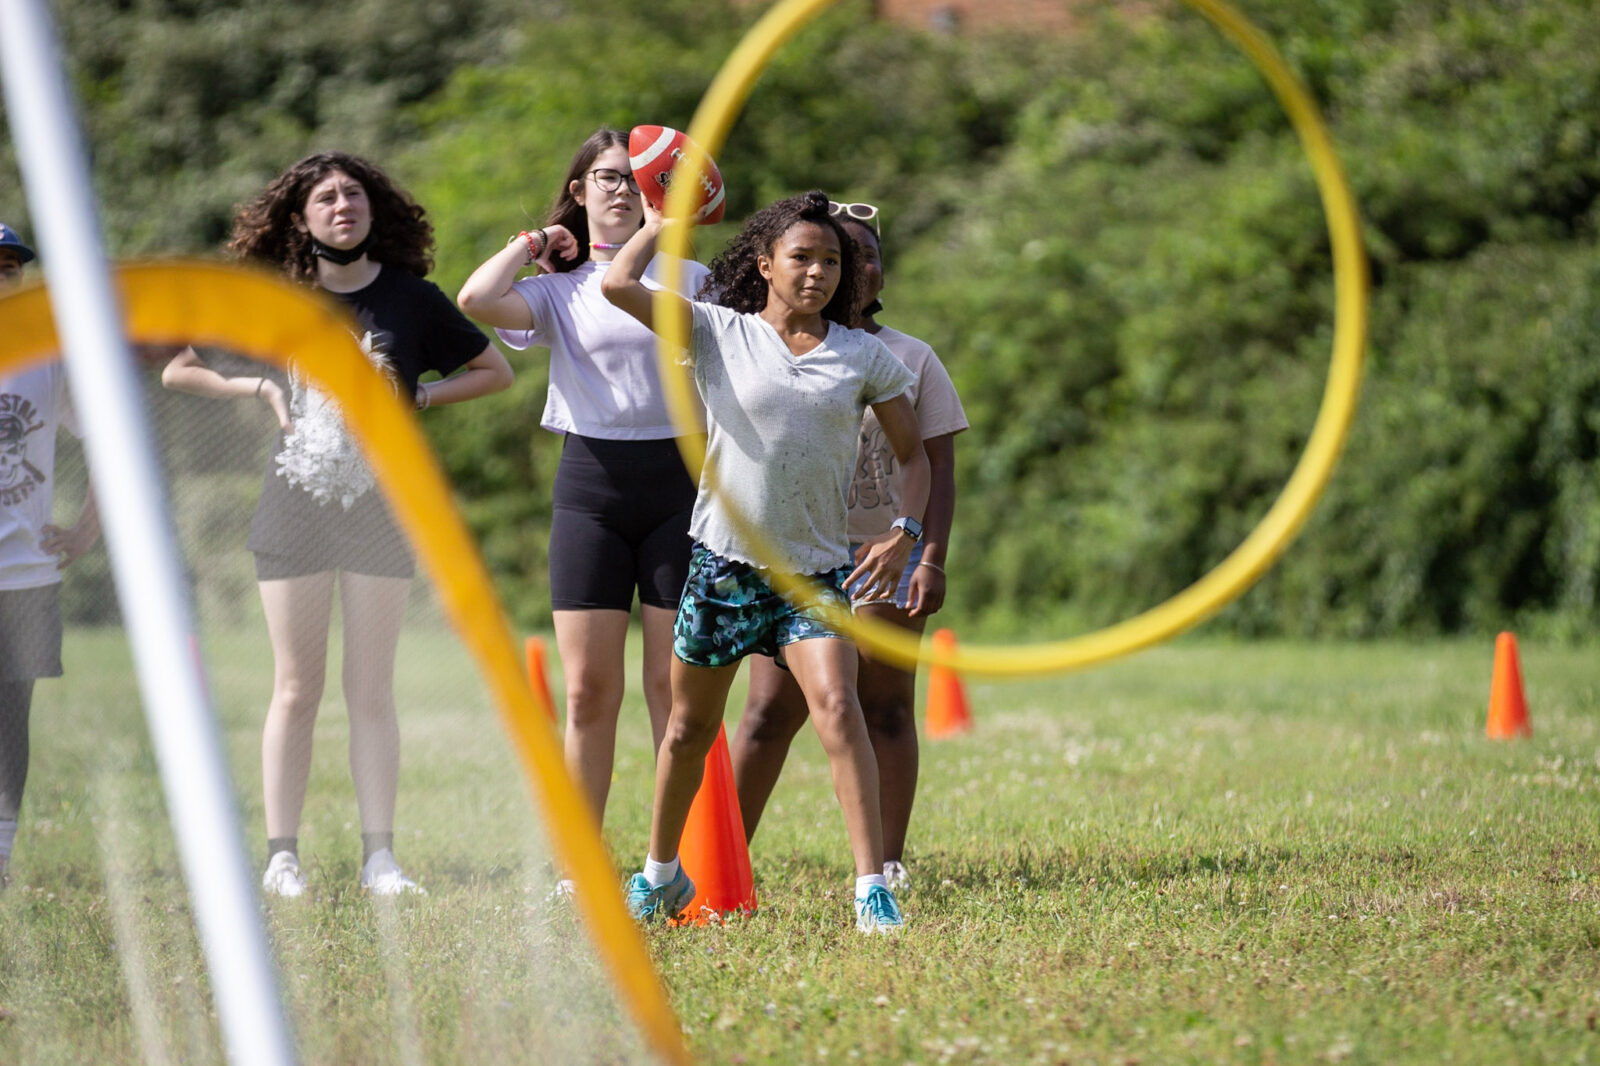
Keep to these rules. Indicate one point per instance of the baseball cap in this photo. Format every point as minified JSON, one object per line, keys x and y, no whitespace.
{"x":9,"y":239}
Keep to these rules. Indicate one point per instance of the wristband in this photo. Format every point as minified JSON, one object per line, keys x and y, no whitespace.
{"x":932,"y":566}
{"x":260,"y":384}
{"x":423,"y":399}
{"x":535,"y":250}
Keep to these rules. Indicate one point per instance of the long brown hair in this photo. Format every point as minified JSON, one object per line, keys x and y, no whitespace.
{"x":566,"y":210}
{"x":264,"y":229}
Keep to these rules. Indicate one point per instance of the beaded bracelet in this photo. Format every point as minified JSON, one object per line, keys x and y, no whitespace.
{"x":535,"y":250}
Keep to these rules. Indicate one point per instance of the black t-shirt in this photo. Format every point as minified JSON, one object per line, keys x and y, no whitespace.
{"x":409,"y":327}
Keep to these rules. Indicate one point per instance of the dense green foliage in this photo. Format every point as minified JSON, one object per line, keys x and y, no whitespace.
{"x":1111,"y":238}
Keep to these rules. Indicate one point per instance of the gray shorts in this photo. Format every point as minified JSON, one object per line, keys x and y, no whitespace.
{"x":30,"y":633}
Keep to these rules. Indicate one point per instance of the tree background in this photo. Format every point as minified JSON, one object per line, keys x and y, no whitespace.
{"x":1110,"y":237}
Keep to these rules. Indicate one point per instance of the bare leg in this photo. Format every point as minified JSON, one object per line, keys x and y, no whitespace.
{"x":889,"y":705}
{"x":657,"y":625}
{"x":826,"y":671}
{"x":774,"y":711}
{"x":297,"y":611}
{"x":374,"y":609}
{"x":699,"y":696}
{"x":591,"y":645}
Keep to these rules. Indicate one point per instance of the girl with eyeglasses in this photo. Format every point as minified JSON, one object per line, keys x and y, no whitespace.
{"x":785,"y":383}
{"x":620,"y":522}
{"x":775,"y":708}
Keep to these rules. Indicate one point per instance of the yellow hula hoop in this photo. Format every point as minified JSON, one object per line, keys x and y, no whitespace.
{"x":264,"y":316}
{"x":1252,"y":558}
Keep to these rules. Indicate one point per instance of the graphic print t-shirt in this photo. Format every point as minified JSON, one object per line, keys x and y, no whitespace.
{"x":876,"y":492}
{"x":32,"y":405}
{"x":407,"y":327}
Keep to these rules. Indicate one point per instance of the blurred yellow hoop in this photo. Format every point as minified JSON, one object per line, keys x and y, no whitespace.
{"x":1252,"y":558}
{"x":264,"y":316}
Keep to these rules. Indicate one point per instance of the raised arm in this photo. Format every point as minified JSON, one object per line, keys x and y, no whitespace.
{"x":187,"y":372}
{"x":488,"y":296}
{"x":624,"y":282}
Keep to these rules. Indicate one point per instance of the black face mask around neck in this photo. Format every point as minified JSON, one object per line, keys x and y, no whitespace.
{"x":343,"y":257}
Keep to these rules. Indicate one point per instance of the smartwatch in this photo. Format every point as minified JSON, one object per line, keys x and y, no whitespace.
{"x":909,"y":526}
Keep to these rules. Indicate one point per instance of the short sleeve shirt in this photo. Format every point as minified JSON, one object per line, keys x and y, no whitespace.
{"x":782,"y":433}
{"x":604,"y":377}
{"x":407,"y":327}
{"x":33,"y":404}
{"x":876,"y":493}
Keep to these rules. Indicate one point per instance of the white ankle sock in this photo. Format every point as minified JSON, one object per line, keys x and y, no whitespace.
{"x":867,"y":882}
{"x":660,"y":873}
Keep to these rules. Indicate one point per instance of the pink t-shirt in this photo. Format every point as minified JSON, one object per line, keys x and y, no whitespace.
{"x":876,"y":492}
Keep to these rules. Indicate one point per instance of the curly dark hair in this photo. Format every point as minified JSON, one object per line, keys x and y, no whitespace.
{"x":264,"y":229}
{"x":566,"y":210}
{"x":736,"y":282}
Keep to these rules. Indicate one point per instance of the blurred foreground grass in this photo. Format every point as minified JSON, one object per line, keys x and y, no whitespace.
{"x":1241,"y":853}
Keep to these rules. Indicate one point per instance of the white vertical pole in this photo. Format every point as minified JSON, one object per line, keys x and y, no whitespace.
{"x":139,"y":536}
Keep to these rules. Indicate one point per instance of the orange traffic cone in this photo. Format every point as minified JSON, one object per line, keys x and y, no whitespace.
{"x":533,"y":649}
{"x":713,"y":849}
{"x":1508,"y":707}
{"x":948,"y":714}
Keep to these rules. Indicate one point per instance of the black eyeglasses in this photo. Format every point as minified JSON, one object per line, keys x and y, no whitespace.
{"x":608,"y":180}
{"x":859,"y":212}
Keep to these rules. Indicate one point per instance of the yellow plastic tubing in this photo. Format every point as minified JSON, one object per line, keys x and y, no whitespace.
{"x":1252,"y":558}
{"x":263,"y":316}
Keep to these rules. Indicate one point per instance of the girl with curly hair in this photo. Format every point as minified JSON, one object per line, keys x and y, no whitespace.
{"x":785,"y":382}
{"x":340,"y":224}
{"x":775,"y":708}
{"x":620,"y":521}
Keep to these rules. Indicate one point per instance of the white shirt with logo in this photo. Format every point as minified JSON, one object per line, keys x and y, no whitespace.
{"x":878,"y":488}
{"x":33,"y":405}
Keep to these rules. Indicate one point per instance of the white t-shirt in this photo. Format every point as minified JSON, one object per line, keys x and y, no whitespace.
{"x":603,"y":363}
{"x":33,"y":404}
{"x":878,"y":488}
{"x":782,"y":433}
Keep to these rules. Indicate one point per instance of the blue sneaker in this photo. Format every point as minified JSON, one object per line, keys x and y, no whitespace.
{"x":648,"y":904}
{"x":877,"y":912}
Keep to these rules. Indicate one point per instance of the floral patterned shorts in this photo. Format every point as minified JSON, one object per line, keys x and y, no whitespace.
{"x":729,"y":611}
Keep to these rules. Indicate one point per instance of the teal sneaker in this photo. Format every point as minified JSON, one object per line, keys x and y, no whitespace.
{"x":877,"y":912}
{"x":648,"y":904}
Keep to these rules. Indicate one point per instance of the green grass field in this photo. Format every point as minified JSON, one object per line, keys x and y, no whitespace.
{"x":1211,"y":853}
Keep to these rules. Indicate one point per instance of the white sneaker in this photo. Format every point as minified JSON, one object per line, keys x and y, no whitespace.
{"x":382,"y":877}
{"x":894,"y":872}
{"x":283,"y":877}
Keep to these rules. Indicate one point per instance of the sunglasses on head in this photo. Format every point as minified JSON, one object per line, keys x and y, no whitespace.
{"x":859,"y":212}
